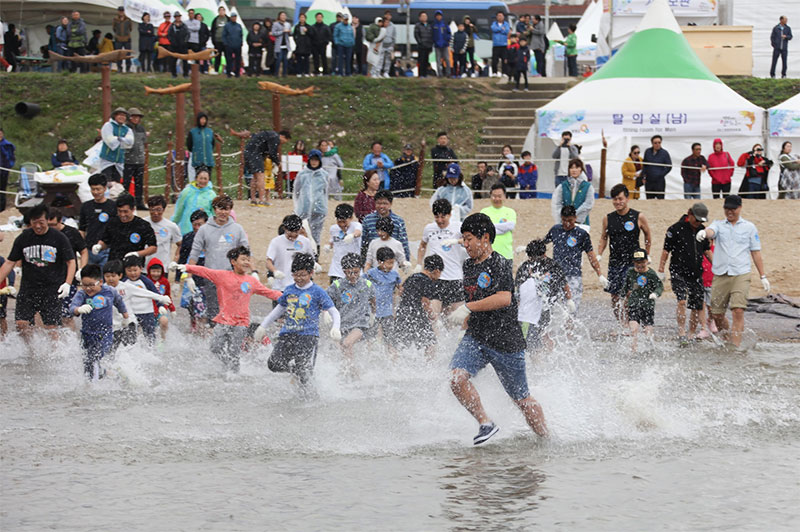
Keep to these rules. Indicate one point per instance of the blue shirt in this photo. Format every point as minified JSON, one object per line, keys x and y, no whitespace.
{"x":385,"y":283}
{"x":568,"y":247}
{"x":303,"y":307}
{"x":399,"y":233}
{"x":371,"y":163}
{"x":734,"y":242}
{"x":100,"y":319}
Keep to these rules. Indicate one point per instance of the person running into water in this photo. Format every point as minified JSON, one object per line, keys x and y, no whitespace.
{"x":493,"y":334}
{"x":354,"y":297}
{"x":386,"y":280}
{"x":141,"y":308}
{"x":283,"y":248}
{"x":345,"y":237}
{"x":642,"y":287}
{"x":95,"y":302}
{"x":417,"y":310}
{"x":302,"y":302}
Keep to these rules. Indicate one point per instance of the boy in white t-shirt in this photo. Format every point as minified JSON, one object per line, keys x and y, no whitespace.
{"x":283,"y":248}
{"x":384,"y":228}
{"x":345,"y":238}
{"x":168,"y":233}
{"x":442,"y":237}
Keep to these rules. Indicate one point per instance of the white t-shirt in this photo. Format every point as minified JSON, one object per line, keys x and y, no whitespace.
{"x":453,"y":256}
{"x":393,"y":244}
{"x":340,"y":249}
{"x":167,"y":234}
{"x":281,"y":251}
{"x":136,"y":303}
{"x":530,"y":304}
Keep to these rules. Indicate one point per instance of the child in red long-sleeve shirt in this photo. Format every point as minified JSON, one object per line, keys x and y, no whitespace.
{"x":155,"y":272}
{"x":234,"y":290}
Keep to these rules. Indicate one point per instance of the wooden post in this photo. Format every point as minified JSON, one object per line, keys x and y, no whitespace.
{"x":603,"y":153}
{"x":241,"y":168}
{"x":218,"y":159}
{"x":105,"y":86}
{"x":418,"y":184}
{"x":180,"y":123}
{"x":196,"y":88}
{"x":168,"y":170}
{"x":146,"y":176}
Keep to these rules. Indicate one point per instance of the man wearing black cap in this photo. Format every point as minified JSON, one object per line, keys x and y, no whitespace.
{"x":736,"y":241}
{"x":686,"y":268}
{"x":178,"y":42}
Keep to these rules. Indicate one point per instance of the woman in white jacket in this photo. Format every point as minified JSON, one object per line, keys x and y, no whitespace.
{"x":456,"y":192}
{"x":311,"y":194}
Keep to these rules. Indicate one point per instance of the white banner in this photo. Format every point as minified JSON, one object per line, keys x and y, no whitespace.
{"x":680,"y":8}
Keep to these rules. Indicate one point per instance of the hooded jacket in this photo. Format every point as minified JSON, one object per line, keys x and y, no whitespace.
{"x":459,"y":196}
{"x":200,"y":141}
{"x":191,"y":198}
{"x":441,"y":32}
{"x":582,"y":198}
{"x":162,"y":285}
{"x":311,"y":191}
{"x":216,"y":240}
{"x":716,"y":160}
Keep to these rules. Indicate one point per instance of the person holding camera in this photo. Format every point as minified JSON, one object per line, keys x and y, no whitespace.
{"x":756,"y":171}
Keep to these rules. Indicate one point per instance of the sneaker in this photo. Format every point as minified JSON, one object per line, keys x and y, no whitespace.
{"x":484,"y":433}
{"x":386,"y":75}
{"x":683,"y":341}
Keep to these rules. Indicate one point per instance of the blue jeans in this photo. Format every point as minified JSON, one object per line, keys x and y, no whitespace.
{"x":691,"y":191}
{"x":344,"y":60}
{"x":472,"y":356}
{"x":281,"y":58}
{"x":100,"y":259}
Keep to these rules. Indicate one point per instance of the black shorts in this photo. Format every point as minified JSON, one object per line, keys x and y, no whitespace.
{"x":616,"y":278}
{"x":3,"y":307}
{"x":410,"y":330}
{"x":296,"y":354}
{"x":363,"y":330}
{"x":450,"y":292}
{"x":642,"y":314}
{"x":42,"y":300}
{"x":689,"y":290}
{"x":253,"y":162}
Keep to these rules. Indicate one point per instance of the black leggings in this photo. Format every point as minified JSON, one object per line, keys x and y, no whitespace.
{"x":498,"y":53}
{"x":720,"y":191}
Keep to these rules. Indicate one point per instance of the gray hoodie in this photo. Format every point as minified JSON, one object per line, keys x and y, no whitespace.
{"x":215,"y":241}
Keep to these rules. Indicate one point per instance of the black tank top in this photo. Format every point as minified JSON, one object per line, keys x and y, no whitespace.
{"x":623,"y":237}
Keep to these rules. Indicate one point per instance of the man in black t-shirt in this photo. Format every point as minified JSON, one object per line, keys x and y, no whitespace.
{"x":48,"y":267}
{"x":81,"y":258}
{"x":414,"y":321}
{"x":95,"y":214}
{"x":127,"y":234}
{"x":686,"y":268}
{"x":493,"y":334}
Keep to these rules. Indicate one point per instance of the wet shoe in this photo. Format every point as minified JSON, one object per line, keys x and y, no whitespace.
{"x":683,"y":341}
{"x":484,"y":433}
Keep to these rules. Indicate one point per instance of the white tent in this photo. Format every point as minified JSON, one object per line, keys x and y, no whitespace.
{"x":553,"y":34}
{"x":588,"y":28}
{"x":763,"y":16}
{"x":783,"y":122}
{"x":654,"y":85}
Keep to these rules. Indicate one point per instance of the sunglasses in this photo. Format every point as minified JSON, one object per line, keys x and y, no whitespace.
{"x":636,"y":153}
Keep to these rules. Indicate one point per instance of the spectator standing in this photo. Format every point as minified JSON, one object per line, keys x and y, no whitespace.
{"x":204,"y":34}
{"x":299,"y":150}
{"x":523,"y":58}
{"x":528,"y":175}
{"x":383,"y":209}
{"x":756,"y":171}
{"x":232,"y":39}
{"x":134,"y":157}
{"x":789,"y":181}
{"x":441,"y":44}
{"x":199,"y":194}
{"x":779,"y":39}
{"x":117,"y":138}
{"x":575,"y":191}
{"x":122,"y":27}
{"x":457,"y":194}
{"x":178,"y":42}
{"x":379,"y":161}
{"x":445,"y":154}
{"x":472,"y":31}
{"x":269,"y":45}
{"x":508,"y":170}
{"x":200,"y":141}
{"x":500,"y":31}
{"x":12,"y":47}
{"x":632,"y":172}
{"x":504,"y":220}
{"x":255,"y":48}
{"x":563,"y":154}
{"x":358,"y":47}
{"x":386,"y":51}
{"x":76,"y":40}
{"x":147,"y":41}
{"x":320,"y":37}
{"x":655,"y":175}
{"x":720,"y":168}
{"x":163,"y":41}
{"x":736,"y":241}
{"x":61,"y":38}
{"x":539,"y":44}
{"x":311,"y":195}
{"x":217,"y":28}
{"x":7,"y":160}
{"x":691,"y":176}
{"x":281,"y":30}
{"x":404,"y":173}
{"x":334,"y":51}
{"x":193,"y":26}
{"x":477,"y":179}
{"x":344,"y":37}
{"x":106,"y":44}
{"x":364,"y":203}
{"x":94,"y":43}
{"x":571,"y":51}
{"x":332,"y":163}
{"x":458,"y":44}
{"x":423,"y":34}
{"x":302,"y":43}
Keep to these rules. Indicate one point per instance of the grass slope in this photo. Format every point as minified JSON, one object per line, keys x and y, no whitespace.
{"x":352,"y":111}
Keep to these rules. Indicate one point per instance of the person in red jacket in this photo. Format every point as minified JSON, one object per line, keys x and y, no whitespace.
{"x":155,"y":272}
{"x":162,"y":65}
{"x":720,"y":168}
{"x":756,"y":170}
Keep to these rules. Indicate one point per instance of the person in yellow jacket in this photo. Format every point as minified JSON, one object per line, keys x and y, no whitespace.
{"x":107,"y":44}
{"x":631,"y":170}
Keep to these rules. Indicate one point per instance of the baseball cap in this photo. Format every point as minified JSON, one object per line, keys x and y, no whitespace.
{"x":700,"y":212}
{"x":639,"y":254}
{"x":453,"y":171}
{"x":732,"y":202}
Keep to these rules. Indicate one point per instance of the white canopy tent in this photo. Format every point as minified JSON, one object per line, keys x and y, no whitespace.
{"x":654,"y":85}
{"x":783,"y":123}
{"x":588,"y":27}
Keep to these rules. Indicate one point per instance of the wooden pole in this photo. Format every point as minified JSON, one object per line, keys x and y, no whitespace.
{"x":241,"y":168}
{"x":418,"y":184}
{"x":105,"y":86}
{"x":168,"y":170}
{"x":146,"y":176}
{"x":603,"y":152}
{"x":218,"y":159}
{"x":196,"y":88}
{"x":180,"y":123}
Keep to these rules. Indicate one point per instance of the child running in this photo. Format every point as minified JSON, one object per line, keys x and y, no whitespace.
{"x":345,"y":238}
{"x":194,"y":302}
{"x":642,"y":288}
{"x":234,"y":289}
{"x":283,"y":248}
{"x":142,"y":308}
{"x":354,"y":297}
{"x":155,"y":272}
{"x":415,"y":313}
{"x":384,"y":227}
{"x":94,"y":303}
{"x":386,"y":280}
{"x":296,"y":347}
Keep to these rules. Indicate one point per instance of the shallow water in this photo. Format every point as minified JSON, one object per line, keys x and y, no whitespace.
{"x":690,"y":439}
